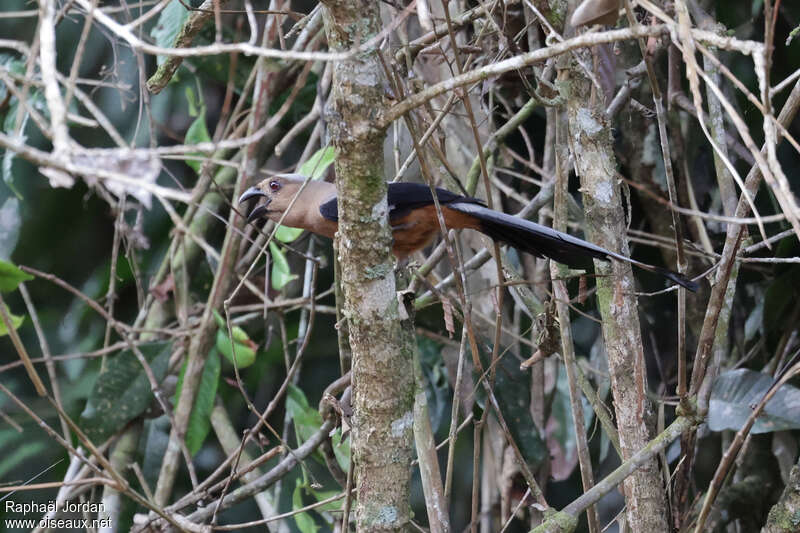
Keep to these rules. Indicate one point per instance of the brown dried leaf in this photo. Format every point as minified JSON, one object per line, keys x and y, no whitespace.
{"x":447,"y":309}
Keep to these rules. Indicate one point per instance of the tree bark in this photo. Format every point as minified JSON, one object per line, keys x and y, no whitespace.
{"x":605,"y":221}
{"x":783,"y":516}
{"x":382,"y":347}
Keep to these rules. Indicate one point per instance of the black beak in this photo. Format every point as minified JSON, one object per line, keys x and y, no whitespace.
{"x":257,"y":213}
{"x":261,"y":209}
{"x":251,"y":193}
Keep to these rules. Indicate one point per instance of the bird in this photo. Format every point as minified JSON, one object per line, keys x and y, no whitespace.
{"x":414,"y":221}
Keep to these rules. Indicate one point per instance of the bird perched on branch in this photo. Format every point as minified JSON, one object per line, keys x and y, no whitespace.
{"x":412,"y":216}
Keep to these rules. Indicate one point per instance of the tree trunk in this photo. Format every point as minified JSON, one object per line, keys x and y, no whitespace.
{"x":605,"y":222}
{"x":783,"y":516}
{"x":382,"y":348}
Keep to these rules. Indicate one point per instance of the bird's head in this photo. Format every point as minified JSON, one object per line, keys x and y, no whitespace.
{"x":274,"y":195}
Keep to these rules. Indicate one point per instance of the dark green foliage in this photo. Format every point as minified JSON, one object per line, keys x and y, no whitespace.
{"x":513,"y":392}
{"x":200,"y":418}
{"x":437,"y":386}
{"x":122,"y":391}
{"x":11,"y":276}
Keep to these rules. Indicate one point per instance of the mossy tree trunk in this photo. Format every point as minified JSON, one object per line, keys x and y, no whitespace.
{"x":382,"y":347}
{"x":785,"y":515}
{"x":605,"y":222}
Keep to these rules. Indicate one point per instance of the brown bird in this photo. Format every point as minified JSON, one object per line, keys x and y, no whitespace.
{"x":414,"y":223}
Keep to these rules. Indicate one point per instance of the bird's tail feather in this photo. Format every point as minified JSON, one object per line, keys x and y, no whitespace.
{"x":542,"y":241}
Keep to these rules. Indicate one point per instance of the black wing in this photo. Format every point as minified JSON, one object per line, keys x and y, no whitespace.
{"x":403,"y":198}
{"x":329,"y":210}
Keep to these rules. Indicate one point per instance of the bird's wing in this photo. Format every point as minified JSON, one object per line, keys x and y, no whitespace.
{"x":403,"y":198}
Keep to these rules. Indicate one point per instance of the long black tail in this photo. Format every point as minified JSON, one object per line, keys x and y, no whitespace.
{"x":542,"y":241}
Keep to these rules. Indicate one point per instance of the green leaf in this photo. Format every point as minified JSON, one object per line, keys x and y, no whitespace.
{"x":197,"y":133}
{"x":239,"y":335}
{"x":218,"y":318}
{"x":16,"y":322}
{"x":305,"y":523}
{"x":245,"y":353}
{"x":287,"y":234}
{"x":11,"y":276}
{"x":200,"y":419}
{"x":341,"y":450}
{"x":122,"y":390}
{"x":736,"y":392}
{"x":281,"y":275}
{"x":320,"y":495}
{"x":195,"y":104}
{"x":318,"y":163}
{"x":306,"y":419}
{"x":169,"y":26}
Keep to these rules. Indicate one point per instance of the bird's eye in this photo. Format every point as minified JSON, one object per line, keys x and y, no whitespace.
{"x":274,"y":185}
